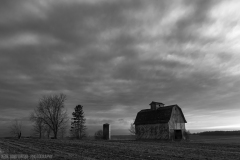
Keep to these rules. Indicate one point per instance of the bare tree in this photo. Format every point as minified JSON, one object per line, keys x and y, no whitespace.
{"x":63,"y":131}
{"x":47,"y":131}
{"x":98,"y":134}
{"x":38,"y":126}
{"x":186,"y":134}
{"x":16,"y":129}
{"x":132,"y":129}
{"x":52,"y":112}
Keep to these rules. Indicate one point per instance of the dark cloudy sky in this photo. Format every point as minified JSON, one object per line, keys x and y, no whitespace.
{"x":116,"y":56}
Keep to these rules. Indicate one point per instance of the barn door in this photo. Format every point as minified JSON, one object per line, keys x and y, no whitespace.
{"x":178,"y":134}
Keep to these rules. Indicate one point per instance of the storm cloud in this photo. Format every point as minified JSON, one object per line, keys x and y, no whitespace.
{"x":115,"y":57}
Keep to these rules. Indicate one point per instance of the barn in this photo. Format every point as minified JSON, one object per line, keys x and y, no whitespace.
{"x":160,"y":122}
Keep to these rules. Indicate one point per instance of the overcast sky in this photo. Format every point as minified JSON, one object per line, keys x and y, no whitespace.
{"x":116,"y":56}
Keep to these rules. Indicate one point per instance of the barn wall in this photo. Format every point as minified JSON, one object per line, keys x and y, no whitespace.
{"x":176,"y":122}
{"x":152,"y":131}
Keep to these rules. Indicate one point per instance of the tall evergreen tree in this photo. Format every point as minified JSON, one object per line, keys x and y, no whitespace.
{"x":78,"y":128}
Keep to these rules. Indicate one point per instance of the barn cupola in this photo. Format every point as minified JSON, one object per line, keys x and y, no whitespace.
{"x":156,"y":105}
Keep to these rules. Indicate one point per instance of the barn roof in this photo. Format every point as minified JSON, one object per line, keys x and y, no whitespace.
{"x":161,"y":115}
{"x":153,"y":102}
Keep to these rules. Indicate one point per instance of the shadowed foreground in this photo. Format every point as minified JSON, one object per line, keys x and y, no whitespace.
{"x":119,"y":149}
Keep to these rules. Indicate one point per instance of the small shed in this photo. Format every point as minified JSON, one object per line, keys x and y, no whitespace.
{"x":160,"y":122}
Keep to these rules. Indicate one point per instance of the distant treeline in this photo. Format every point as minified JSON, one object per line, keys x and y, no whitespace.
{"x":219,"y":133}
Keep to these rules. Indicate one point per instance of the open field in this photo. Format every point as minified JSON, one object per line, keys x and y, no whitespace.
{"x":215,"y":139}
{"x":119,"y":149}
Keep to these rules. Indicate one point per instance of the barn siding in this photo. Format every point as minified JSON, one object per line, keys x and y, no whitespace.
{"x":152,"y":131}
{"x":176,"y":122}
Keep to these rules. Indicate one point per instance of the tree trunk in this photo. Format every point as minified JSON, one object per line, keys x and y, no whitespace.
{"x":48,"y":133}
{"x":19,"y":135}
{"x":55,"y":134}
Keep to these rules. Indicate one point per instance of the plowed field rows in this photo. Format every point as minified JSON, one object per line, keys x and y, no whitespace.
{"x":90,"y":149}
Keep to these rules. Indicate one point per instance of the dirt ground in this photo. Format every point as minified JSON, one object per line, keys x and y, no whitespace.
{"x":115,"y":149}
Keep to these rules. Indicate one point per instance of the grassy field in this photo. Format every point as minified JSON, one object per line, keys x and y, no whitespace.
{"x":197,"y":148}
{"x":123,"y":137}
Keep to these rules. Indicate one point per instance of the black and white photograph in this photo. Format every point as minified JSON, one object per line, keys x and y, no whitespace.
{"x":120,"y":79}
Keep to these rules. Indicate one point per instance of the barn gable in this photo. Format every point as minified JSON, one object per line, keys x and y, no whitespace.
{"x":177,"y":112}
